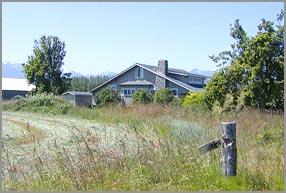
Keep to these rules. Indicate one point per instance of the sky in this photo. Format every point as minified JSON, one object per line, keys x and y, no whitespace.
{"x":102,"y":37}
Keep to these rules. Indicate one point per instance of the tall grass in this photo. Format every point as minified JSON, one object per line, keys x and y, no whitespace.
{"x":162,"y":156}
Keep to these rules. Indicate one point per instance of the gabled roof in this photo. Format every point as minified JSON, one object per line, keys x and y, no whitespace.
{"x":16,"y":84}
{"x":180,"y":83}
{"x":78,"y":93}
{"x":174,"y":71}
{"x":154,"y":69}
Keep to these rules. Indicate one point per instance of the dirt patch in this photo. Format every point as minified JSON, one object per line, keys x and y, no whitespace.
{"x":34,"y":134}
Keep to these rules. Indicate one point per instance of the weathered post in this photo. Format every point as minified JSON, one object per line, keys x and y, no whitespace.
{"x":229,"y":151}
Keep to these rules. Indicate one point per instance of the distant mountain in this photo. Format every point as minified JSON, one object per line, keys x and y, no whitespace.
{"x":107,"y":73}
{"x":12,"y":70}
{"x":203,"y":72}
{"x":15,"y":70}
{"x":73,"y":73}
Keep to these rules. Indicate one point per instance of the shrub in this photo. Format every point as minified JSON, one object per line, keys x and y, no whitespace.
{"x":43,"y":102}
{"x":142,"y":97}
{"x":194,"y":100}
{"x":163,"y":96}
{"x":177,"y":102}
{"x":106,"y":96}
{"x":17,"y":97}
{"x":229,"y":103}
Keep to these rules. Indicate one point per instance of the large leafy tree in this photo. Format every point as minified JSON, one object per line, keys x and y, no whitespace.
{"x":44,"y":66}
{"x":252,"y":71}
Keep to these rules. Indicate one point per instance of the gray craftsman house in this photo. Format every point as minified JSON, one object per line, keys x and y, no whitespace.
{"x":152,"y":78}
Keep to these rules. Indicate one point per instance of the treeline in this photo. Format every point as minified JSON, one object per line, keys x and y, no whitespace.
{"x":83,"y":83}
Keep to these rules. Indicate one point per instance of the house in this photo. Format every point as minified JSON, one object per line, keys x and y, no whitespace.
{"x":79,"y":98}
{"x":12,"y":87}
{"x":151,"y":78}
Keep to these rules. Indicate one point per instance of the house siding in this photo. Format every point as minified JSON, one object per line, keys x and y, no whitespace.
{"x":129,"y":76}
{"x":181,"y":90}
{"x":186,"y":79}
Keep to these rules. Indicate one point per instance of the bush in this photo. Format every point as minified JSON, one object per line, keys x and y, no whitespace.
{"x":177,"y":102}
{"x":163,"y":96}
{"x":194,"y":100}
{"x":229,"y":103}
{"x":106,"y":96}
{"x":142,"y":97}
{"x":43,"y":102}
{"x":17,"y":97}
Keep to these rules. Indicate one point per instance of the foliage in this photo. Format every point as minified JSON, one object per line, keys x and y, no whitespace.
{"x":163,"y":96}
{"x":83,"y":83}
{"x":106,"y":96}
{"x":194,"y":100}
{"x":142,"y":147}
{"x":176,"y":102}
{"x":43,"y":68}
{"x":42,"y":102}
{"x":142,"y":97}
{"x":254,"y":76}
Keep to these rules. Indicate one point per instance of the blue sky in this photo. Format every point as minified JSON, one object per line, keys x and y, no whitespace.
{"x":103,"y":37}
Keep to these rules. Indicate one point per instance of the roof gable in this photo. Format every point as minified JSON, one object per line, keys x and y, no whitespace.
{"x":153,"y":69}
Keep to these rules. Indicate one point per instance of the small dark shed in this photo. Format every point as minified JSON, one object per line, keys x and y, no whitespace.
{"x":79,"y":98}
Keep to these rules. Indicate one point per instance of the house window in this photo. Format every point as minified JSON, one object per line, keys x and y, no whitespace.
{"x":195,"y":80}
{"x":113,"y":87}
{"x":139,"y":73}
{"x":128,"y":91}
{"x":174,"y":91}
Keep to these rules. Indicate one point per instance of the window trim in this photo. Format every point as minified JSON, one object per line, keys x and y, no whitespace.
{"x":195,"y":80}
{"x":127,"y":89}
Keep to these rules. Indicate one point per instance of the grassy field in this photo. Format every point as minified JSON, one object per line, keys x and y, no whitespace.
{"x":144,"y":147}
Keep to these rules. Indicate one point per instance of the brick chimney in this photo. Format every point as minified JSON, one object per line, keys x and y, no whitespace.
{"x":162,"y":69}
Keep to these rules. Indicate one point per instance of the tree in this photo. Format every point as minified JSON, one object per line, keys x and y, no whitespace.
{"x":83,"y":83}
{"x":43,"y":68}
{"x":252,"y":72}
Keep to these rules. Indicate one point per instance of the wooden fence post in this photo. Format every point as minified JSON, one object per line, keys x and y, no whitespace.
{"x":229,"y":151}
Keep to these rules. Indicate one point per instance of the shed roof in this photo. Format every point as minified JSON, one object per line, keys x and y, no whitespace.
{"x":16,"y":84}
{"x":78,"y":93}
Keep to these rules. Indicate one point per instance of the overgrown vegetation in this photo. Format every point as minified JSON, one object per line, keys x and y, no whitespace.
{"x":142,"y":147}
{"x":195,"y":100}
{"x":142,"y":97}
{"x":251,"y":74}
{"x":107,"y":96}
{"x":45,"y":103}
{"x":163,"y":96}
